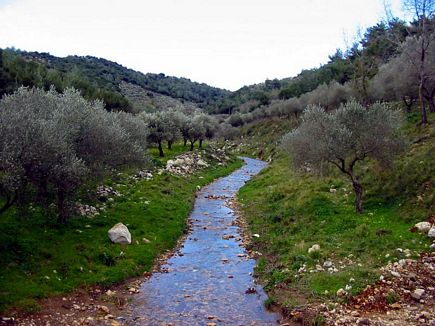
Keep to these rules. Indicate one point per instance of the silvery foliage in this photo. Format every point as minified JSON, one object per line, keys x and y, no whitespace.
{"x":207,"y":124}
{"x":172,"y":125}
{"x":400,"y":76}
{"x":329,"y":96}
{"x":227,"y":131}
{"x":345,"y":136}
{"x":53,"y":140}
{"x":183,"y":123}
{"x":196,"y":129}
{"x":155,"y":123}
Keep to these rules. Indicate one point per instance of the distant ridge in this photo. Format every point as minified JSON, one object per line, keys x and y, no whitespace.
{"x":97,"y":76}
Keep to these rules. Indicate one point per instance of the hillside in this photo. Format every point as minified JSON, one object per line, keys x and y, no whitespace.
{"x":98,"y":78}
{"x":142,"y":99}
{"x":300,"y":210}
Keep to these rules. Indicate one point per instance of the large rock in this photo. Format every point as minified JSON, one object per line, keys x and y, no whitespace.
{"x":423,"y":227}
{"x":431,"y":233}
{"x":119,"y":233}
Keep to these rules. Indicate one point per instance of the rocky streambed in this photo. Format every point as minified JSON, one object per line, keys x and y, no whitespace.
{"x":209,"y":280}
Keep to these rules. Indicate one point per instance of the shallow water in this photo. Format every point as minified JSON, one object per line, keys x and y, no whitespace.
{"x":207,"y":279}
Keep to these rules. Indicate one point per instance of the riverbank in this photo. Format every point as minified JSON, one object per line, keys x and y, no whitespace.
{"x":40,"y":259}
{"x":316,"y":252}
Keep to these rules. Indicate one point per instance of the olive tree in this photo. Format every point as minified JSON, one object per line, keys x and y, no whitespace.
{"x":344,"y":138}
{"x":51,"y":142}
{"x":156,"y":126}
{"x":183,"y":125}
{"x":209,"y":125}
{"x":420,"y":45}
{"x":292,"y":106}
{"x":329,"y":96}
{"x":396,"y":80}
{"x":227,"y":131}
{"x":196,"y":131}
{"x":171,"y":126}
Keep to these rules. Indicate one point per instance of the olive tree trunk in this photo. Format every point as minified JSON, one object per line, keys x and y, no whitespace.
{"x":191,"y":144}
{"x":161,"y":154}
{"x":358,"y":196}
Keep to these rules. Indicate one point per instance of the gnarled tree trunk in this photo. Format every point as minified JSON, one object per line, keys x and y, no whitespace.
{"x":191,"y":144}
{"x":161,"y":154}
{"x":358,"y":189}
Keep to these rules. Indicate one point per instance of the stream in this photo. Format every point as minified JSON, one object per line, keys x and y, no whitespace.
{"x":209,"y":279}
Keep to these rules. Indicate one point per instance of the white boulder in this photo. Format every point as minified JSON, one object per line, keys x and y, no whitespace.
{"x":119,"y":233}
{"x":423,"y":227}
{"x":431,"y":233}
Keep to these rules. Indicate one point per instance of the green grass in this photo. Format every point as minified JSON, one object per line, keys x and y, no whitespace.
{"x":177,"y":149}
{"x":261,"y":138}
{"x":40,"y":258}
{"x":292,"y":211}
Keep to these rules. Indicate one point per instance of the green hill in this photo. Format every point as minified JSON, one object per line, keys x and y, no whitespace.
{"x":97,"y":78}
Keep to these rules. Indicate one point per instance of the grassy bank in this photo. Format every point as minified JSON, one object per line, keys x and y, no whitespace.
{"x":291,"y":212}
{"x":40,"y":258}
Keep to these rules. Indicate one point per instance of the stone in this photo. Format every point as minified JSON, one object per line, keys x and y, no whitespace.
{"x":341,"y":292}
{"x":423,"y":227}
{"x":431,"y":233}
{"x":327,"y":264}
{"x":363,"y":321}
{"x":119,"y":233}
{"x":417,"y":294}
{"x":396,"y":305}
{"x":104,"y":309}
{"x":395,"y":274}
{"x":314,"y":248}
{"x":202,"y":163}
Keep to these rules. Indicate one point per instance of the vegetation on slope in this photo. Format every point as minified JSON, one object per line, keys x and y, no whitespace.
{"x":95,"y":78}
{"x":292,"y":212}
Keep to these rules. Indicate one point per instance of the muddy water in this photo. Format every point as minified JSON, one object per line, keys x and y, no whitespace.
{"x":207,"y":281}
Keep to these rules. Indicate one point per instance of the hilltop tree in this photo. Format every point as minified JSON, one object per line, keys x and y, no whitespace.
{"x":345,"y":137}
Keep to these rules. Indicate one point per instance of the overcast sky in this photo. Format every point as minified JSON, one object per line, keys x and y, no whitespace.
{"x":224,"y":43}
